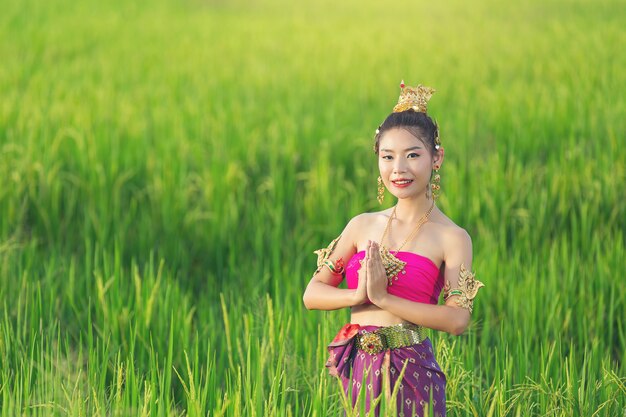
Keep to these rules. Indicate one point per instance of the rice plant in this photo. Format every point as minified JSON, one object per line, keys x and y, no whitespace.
{"x":167,"y":169}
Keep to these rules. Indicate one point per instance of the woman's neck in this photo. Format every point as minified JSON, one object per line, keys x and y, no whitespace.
{"x":410,"y":210}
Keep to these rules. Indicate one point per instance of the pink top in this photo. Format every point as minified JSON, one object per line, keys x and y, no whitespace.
{"x":420,"y":280}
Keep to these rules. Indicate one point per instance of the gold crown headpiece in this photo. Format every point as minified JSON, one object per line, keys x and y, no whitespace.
{"x":415,"y":98}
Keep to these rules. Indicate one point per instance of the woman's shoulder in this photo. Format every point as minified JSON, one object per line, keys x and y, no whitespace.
{"x":372,"y":216}
{"x":368,"y":219}
{"x":365,"y":223}
{"x":453,"y":237}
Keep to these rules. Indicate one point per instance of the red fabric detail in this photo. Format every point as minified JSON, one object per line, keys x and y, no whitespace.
{"x":347,"y":332}
{"x":340,"y":349}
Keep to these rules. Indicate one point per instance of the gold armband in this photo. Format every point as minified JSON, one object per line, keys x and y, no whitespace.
{"x":467,"y":289}
{"x":323,"y":259}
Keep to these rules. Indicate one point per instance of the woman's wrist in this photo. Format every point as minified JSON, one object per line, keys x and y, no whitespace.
{"x":380,"y":300}
{"x":356,"y":299}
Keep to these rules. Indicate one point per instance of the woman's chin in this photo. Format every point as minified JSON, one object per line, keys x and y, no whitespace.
{"x":406,"y":196}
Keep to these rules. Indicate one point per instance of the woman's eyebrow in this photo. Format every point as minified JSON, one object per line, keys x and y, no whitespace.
{"x":406,"y":150}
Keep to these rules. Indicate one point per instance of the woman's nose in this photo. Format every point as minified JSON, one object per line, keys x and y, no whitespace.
{"x":399,"y":166}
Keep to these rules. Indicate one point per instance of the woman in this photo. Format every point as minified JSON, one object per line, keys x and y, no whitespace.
{"x":396,"y":263}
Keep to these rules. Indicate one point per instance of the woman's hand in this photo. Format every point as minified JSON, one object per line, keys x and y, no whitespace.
{"x":376,"y":276}
{"x":360,"y":296}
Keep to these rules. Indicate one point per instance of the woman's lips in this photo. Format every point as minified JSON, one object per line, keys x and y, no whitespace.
{"x":402,"y":183}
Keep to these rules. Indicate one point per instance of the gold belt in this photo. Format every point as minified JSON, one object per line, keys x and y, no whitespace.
{"x":390,"y":337}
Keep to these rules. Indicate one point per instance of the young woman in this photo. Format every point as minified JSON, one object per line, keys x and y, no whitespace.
{"x":396,"y":263}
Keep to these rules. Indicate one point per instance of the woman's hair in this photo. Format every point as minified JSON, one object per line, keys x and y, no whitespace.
{"x":418,"y":124}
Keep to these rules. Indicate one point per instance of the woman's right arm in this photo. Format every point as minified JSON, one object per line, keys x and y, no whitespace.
{"x":322,"y":292}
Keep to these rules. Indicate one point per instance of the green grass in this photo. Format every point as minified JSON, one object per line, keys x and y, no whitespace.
{"x":167,"y":169}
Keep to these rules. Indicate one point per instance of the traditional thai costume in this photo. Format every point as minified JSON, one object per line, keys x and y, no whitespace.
{"x":363,"y":355}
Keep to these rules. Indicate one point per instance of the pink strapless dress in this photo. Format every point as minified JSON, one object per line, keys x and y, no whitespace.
{"x":420,"y":280}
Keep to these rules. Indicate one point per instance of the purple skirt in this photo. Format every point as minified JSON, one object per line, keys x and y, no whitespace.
{"x":422,"y":386}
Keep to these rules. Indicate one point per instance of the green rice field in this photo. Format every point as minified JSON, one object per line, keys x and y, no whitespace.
{"x":167,"y":169}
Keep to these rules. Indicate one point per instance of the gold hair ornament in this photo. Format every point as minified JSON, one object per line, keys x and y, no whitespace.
{"x":467,"y":289}
{"x":415,"y":98}
{"x":437,"y":139}
{"x":323,"y":259}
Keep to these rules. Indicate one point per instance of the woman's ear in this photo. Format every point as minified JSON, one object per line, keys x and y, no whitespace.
{"x":438,"y":157}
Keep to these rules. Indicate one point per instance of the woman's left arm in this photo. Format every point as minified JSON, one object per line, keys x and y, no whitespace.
{"x":453,"y":316}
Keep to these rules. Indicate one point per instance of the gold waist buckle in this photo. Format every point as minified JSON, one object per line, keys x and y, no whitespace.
{"x":390,"y":337}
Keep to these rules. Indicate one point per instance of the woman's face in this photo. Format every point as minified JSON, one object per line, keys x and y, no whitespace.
{"x":405,"y":163}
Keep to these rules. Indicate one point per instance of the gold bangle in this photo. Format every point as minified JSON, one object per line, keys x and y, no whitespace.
{"x":466,"y":291}
{"x":336,"y":268}
{"x":324,"y":254}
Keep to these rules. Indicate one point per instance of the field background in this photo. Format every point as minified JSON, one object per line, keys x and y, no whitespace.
{"x":168,"y":167}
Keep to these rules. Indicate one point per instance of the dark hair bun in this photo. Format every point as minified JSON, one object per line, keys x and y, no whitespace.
{"x":418,"y":124}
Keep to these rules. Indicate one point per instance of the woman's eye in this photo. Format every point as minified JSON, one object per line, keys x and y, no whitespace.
{"x":413,"y":155}
{"x":388,"y":157}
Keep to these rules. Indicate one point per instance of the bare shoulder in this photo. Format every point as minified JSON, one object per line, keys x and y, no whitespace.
{"x":365,"y":219}
{"x":366,"y":226}
{"x":455,"y":240}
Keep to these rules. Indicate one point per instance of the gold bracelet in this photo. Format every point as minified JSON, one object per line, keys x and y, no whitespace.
{"x":466,"y":291}
{"x":335,"y":268}
{"x":323,"y":255}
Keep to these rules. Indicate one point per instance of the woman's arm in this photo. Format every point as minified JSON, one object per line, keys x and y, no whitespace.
{"x":450,"y":317}
{"x":322,"y":293}
{"x":321,"y":296}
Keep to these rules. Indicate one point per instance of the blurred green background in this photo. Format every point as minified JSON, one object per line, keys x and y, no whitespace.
{"x":167,"y":169}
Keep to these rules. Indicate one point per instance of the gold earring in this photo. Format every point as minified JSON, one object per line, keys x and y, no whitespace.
{"x":435,"y":185}
{"x":381,"y":190}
